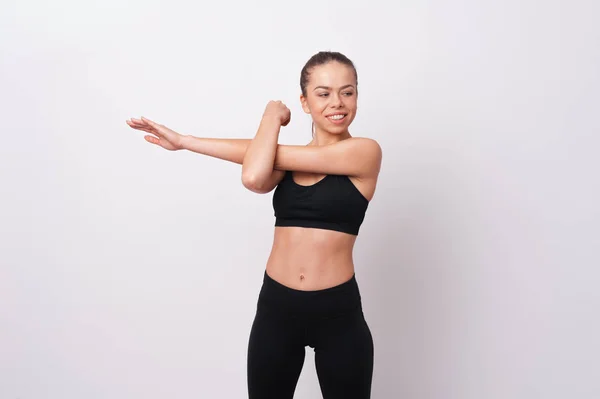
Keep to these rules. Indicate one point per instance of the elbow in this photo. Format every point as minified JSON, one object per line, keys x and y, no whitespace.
{"x":253,"y":183}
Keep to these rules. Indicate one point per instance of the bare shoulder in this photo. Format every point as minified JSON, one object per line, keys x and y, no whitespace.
{"x":365,"y":143}
{"x":368,"y":150}
{"x":364,"y":146}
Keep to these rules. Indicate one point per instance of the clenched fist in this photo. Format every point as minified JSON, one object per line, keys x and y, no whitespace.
{"x":279,"y":111}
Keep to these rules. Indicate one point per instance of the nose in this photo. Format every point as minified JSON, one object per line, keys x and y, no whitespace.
{"x":336,"y":100}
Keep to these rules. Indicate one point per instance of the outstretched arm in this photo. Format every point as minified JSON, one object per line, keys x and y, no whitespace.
{"x":358,"y":157}
{"x":232,"y":150}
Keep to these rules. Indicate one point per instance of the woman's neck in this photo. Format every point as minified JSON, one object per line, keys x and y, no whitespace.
{"x":324,"y":138}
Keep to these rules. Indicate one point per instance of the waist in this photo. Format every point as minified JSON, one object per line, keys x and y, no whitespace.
{"x":316,"y":239}
{"x":324,"y":303}
{"x":309,"y":259}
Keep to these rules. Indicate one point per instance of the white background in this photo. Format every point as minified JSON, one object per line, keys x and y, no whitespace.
{"x":127,"y":271}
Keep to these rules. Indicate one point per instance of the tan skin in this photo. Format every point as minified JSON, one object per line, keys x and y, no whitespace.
{"x":301,"y":258}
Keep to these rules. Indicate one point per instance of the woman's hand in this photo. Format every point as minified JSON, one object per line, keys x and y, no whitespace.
{"x":160,"y":134}
{"x":278,"y":110}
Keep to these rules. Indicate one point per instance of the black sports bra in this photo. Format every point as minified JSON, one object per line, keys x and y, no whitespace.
{"x":333,"y":203}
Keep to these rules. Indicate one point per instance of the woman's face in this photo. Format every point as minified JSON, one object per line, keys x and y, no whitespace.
{"x":331,"y":97}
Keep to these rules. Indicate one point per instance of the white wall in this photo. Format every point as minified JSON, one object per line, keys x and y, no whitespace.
{"x":130,"y":272}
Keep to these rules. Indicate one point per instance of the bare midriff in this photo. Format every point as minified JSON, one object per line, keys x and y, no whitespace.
{"x":311,"y":259}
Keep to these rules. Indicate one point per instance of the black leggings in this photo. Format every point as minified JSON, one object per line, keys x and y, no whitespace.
{"x":330,"y":320}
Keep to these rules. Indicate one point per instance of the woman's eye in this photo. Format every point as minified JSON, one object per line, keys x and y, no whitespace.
{"x":347,"y":93}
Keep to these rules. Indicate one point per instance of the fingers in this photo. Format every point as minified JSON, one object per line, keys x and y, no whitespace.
{"x":136,"y":123}
{"x":142,"y":122}
{"x":151,"y":123}
{"x":145,"y":129}
{"x":152,"y":139}
{"x":156,"y":131}
{"x":142,"y":125}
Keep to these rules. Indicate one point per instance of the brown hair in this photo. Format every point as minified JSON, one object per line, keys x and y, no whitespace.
{"x":323,"y":57}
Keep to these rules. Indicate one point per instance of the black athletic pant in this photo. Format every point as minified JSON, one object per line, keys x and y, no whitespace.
{"x":331,"y":321}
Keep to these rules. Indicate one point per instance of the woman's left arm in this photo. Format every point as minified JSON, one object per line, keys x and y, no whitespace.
{"x":356,"y":156}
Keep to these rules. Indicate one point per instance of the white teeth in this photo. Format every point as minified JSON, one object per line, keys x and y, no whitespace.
{"x":337,"y":117}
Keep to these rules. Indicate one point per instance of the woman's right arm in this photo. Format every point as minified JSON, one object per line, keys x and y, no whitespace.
{"x":232,"y":150}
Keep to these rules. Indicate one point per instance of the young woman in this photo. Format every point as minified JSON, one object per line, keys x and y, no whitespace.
{"x":310,"y":295}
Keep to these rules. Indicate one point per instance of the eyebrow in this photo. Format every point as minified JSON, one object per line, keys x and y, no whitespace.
{"x":329,"y":88}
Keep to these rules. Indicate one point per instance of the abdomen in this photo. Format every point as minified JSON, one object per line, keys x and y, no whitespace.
{"x":311,"y":259}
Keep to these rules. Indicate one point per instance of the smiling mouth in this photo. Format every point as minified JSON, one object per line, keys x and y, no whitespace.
{"x":337,"y":117}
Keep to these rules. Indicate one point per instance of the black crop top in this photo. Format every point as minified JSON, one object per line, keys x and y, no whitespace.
{"x":333,"y":203}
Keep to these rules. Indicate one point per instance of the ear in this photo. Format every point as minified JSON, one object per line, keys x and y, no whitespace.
{"x":304,"y":103}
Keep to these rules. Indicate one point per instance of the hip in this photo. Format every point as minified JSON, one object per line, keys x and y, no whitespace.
{"x":279,"y":299}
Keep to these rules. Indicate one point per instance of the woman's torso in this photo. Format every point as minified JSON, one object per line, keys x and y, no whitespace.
{"x":308,"y":258}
